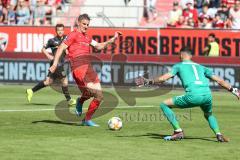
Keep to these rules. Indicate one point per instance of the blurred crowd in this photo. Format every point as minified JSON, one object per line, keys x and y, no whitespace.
{"x":184,"y":14}
{"x":31,"y":12}
{"x":206,"y":14}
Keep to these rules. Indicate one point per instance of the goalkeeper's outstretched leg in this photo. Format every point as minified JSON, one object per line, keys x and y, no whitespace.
{"x":171,"y":117}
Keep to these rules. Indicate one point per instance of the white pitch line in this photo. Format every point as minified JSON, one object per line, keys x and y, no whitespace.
{"x":53,"y":109}
{"x":27,"y":110}
{"x":124,"y":107}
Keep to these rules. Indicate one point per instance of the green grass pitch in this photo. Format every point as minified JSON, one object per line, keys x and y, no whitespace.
{"x":28,"y":131}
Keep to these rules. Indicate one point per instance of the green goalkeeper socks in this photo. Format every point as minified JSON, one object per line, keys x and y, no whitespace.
{"x":173,"y":120}
{"x":170,"y":116}
{"x":213,"y":124}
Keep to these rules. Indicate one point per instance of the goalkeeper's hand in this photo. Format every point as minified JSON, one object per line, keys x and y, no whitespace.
{"x":235,"y":92}
{"x":141,"y":81}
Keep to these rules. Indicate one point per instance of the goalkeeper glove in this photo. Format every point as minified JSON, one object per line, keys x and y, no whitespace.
{"x":144,"y":82}
{"x":235,"y":92}
{"x":148,"y":82}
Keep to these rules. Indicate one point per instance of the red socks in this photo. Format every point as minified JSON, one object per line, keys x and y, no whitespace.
{"x":92,"y":108}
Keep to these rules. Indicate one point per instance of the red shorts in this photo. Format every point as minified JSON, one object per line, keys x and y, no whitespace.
{"x":85,"y":74}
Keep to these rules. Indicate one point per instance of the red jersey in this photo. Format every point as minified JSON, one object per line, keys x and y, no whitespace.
{"x":229,"y":3}
{"x":218,"y":24}
{"x":78,"y":44}
{"x":192,"y":13}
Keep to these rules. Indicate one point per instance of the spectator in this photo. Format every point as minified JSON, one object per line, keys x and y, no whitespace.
{"x":218,"y":22}
{"x":234,"y":15}
{"x":145,"y":12}
{"x":183,"y":3}
{"x":214,"y":3}
{"x":1,"y":12}
{"x":212,"y":49}
{"x":181,"y":21}
{"x":57,"y":18}
{"x":191,"y":12}
{"x":211,"y":12}
{"x":11,"y":15}
{"x":189,"y":23}
{"x":3,"y":8}
{"x":229,"y":3}
{"x":206,"y":24}
{"x":223,"y":12}
{"x":22,"y":13}
{"x":198,"y":4}
{"x":50,"y":10}
{"x":39,"y":13}
{"x":63,"y":5}
{"x":126,"y":2}
{"x":32,"y":4}
{"x":174,"y":14}
{"x":5,"y":3}
{"x":204,"y":13}
{"x":149,"y":10}
{"x":152,"y":9}
{"x":14,"y":2}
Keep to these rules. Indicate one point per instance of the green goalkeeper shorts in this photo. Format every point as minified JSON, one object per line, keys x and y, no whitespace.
{"x":190,"y":101}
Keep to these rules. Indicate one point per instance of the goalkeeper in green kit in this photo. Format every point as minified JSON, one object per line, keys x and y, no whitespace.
{"x":194,"y":78}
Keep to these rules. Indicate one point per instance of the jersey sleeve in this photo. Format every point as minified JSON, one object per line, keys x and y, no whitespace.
{"x":64,"y":38}
{"x":70,"y":38}
{"x":208,"y":72}
{"x":174,"y":69}
{"x":48,"y":44}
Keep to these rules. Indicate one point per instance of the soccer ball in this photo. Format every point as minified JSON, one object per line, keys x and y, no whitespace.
{"x":115,"y":123}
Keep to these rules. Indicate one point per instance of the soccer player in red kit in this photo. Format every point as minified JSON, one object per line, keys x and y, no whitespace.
{"x":78,"y":45}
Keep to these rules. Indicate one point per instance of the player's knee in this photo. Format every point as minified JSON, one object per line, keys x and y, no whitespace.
{"x":64,"y":84}
{"x":207,"y":114}
{"x":46,"y":82}
{"x":99,"y":96}
{"x":162,"y":105}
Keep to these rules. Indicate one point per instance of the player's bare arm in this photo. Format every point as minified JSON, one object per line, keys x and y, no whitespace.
{"x":103,"y":45}
{"x":59,"y":52}
{"x":160,"y":79}
{"x":206,"y":50}
{"x":47,"y":54}
{"x":226,"y":85}
{"x":66,"y":51}
{"x":221,"y":82}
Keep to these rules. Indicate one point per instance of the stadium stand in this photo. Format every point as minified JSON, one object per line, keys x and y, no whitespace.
{"x":72,"y":10}
{"x":210,"y":15}
{"x":162,"y":8}
{"x":124,"y":13}
{"x":114,"y":13}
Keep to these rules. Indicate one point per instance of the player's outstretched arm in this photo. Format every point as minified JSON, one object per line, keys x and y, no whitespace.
{"x":146,"y":82}
{"x":100,"y":46}
{"x":226,"y":85}
{"x":162,"y":78}
{"x":58,"y":54}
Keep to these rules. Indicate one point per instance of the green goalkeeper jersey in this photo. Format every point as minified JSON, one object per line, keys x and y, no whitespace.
{"x":194,"y":77}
